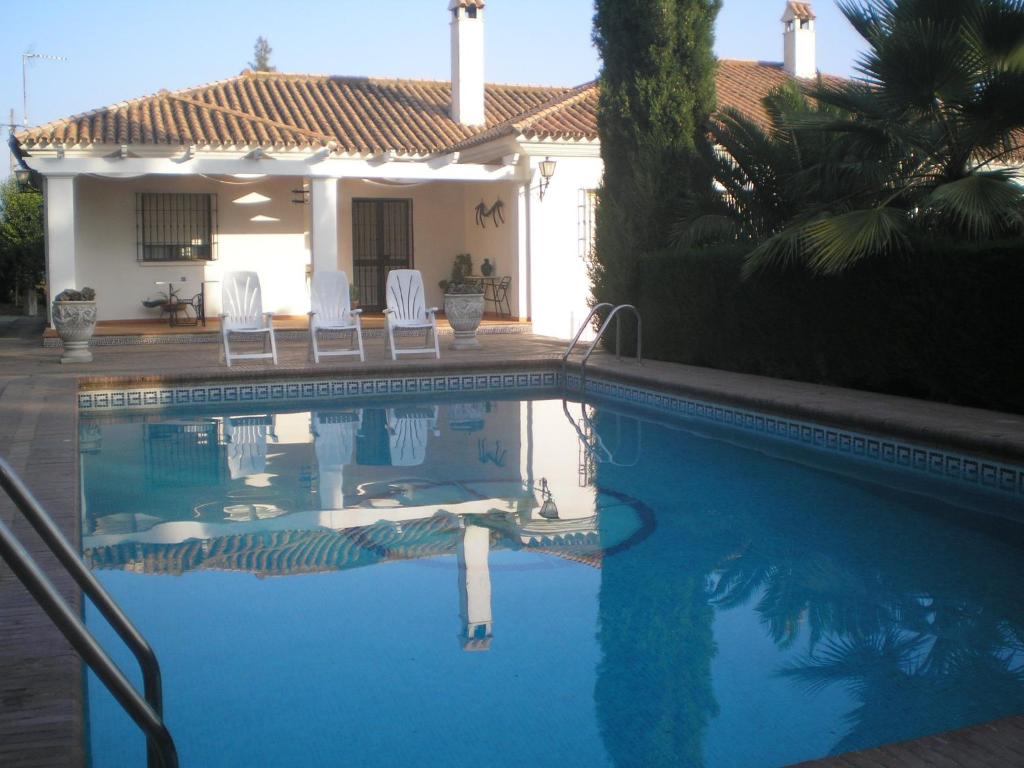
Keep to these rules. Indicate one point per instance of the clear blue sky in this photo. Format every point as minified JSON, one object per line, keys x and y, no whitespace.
{"x":119,"y":51}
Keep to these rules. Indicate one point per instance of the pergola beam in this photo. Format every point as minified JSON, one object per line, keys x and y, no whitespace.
{"x":434,"y":169}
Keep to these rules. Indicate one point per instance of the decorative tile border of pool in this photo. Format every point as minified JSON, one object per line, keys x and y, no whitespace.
{"x":165,"y":395}
{"x":211,"y":337}
{"x":990,"y":475}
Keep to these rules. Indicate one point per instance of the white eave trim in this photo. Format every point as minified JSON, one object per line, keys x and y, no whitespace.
{"x":561,"y":147}
{"x":306,"y":164}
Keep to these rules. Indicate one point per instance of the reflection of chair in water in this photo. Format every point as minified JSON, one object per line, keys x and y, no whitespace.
{"x":408,"y":428}
{"x":246,"y":437}
{"x":334,"y":442}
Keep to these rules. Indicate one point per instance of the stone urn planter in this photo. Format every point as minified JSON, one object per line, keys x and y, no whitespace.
{"x":74,"y":317}
{"x":464,"y":312}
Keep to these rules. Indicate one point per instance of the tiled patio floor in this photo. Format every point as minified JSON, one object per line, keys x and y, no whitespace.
{"x":41,"y":708}
{"x":285,"y":323}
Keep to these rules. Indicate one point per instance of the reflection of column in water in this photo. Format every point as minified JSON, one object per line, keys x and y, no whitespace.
{"x":475,"y":588}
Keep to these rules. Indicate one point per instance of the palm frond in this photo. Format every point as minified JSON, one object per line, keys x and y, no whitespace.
{"x":835,"y":243}
{"x":782,"y":250}
{"x":981,"y":205}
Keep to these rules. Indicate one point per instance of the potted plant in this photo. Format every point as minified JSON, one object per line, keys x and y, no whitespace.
{"x":463,"y":302}
{"x":74,"y":317}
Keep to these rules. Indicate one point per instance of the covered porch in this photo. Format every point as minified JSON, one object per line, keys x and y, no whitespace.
{"x":138,"y":239}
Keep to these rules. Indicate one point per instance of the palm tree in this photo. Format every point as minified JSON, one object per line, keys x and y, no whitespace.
{"x":920,"y":146}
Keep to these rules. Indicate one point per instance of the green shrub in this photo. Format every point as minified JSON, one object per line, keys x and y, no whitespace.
{"x":946,"y":324}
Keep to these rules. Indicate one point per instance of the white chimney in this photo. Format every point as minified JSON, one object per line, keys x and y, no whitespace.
{"x":798,"y":40}
{"x":467,"y":61}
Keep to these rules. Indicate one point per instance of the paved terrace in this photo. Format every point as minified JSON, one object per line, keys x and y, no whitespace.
{"x":41,"y":706}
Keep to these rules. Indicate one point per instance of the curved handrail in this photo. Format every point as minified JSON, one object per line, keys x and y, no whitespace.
{"x":583,"y":327}
{"x":614,"y":314}
{"x":147,"y":712}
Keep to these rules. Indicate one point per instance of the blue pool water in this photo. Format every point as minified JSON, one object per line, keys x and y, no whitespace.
{"x":506,"y":583}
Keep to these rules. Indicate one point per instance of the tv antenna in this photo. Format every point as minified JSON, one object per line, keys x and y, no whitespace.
{"x":25,"y":58}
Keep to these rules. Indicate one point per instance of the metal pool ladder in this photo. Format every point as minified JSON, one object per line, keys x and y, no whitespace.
{"x":614,"y":314}
{"x":146,"y":712}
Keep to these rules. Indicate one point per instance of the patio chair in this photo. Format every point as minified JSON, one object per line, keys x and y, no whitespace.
{"x":499,"y":296}
{"x":334,"y":434}
{"x":407,"y":310}
{"x":246,"y":438}
{"x":242,"y":305}
{"x":332,"y":311}
{"x":408,"y":430}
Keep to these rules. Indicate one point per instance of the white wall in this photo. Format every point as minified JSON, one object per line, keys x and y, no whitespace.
{"x":495,"y":243}
{"x":558,"y":276}
{"x":106,"y":254}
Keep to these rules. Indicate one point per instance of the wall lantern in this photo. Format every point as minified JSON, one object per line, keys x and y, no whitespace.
{"x":23,"y":177}
{"x":547,"y":170}
{"x":548,"y":508}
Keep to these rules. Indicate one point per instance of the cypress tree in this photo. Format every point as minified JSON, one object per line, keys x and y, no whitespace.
{"x":657,"y":93}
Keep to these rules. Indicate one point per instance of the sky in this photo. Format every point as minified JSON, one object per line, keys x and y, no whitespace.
{"x":114,"y":55}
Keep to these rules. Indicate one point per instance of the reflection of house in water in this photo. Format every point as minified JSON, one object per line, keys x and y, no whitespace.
{"x":402,"y":483}
{"x":185,"y":452}
{"x":339,"y":540}
{"x":334,"y":440}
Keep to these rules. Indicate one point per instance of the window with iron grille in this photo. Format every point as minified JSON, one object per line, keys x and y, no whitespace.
{"x":585,"y":223}
{"x":176,"y":226}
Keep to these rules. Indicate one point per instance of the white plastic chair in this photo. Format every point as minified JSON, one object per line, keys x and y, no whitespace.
{"x":242,"y":307}
{"x":408,"y":430}
{"x":406,"y":309}
{"x":332,"y":311}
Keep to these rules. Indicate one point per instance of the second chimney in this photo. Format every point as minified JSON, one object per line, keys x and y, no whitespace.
{"x":798,"y":40}
{"x":467,"y":61}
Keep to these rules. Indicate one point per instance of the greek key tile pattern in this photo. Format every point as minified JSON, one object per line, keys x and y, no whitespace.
{"x":161,"y":396}
{"x":990,"y":475}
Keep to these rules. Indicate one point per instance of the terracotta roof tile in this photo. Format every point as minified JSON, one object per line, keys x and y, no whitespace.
{"x":363,"y":115}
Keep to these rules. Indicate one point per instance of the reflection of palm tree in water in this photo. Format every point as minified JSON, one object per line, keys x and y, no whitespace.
{"x":915,"y":661}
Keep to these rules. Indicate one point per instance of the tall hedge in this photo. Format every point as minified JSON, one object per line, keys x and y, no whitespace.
{"x":657,"y":92}
{"x":946,"y":324}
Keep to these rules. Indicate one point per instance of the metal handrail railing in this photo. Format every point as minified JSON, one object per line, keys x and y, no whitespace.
{"x":147,"y":713}
{"x":614,"y":314}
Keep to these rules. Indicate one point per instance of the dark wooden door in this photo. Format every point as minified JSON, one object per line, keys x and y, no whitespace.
{"x":381,"y":241}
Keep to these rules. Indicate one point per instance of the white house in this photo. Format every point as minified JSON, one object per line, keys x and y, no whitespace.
{"x":286,"y":174}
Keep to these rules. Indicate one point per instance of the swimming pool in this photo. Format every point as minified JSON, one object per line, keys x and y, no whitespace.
{"x":510,"y":578}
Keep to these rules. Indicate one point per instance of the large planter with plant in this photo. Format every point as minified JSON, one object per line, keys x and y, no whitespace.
{"x":463,"y":302}
{"x":464,"y":312}
{"x":74,"y":317}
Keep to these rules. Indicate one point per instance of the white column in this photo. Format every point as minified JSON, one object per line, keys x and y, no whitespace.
{"x":323,"y":233}
{"x":523,"y":287}
{"x":475,"y":587}
{"x":59,"y":197}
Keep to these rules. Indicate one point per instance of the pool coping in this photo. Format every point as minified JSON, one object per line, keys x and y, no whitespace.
{"x":972,"y":430}
{"x":991,"y":434}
